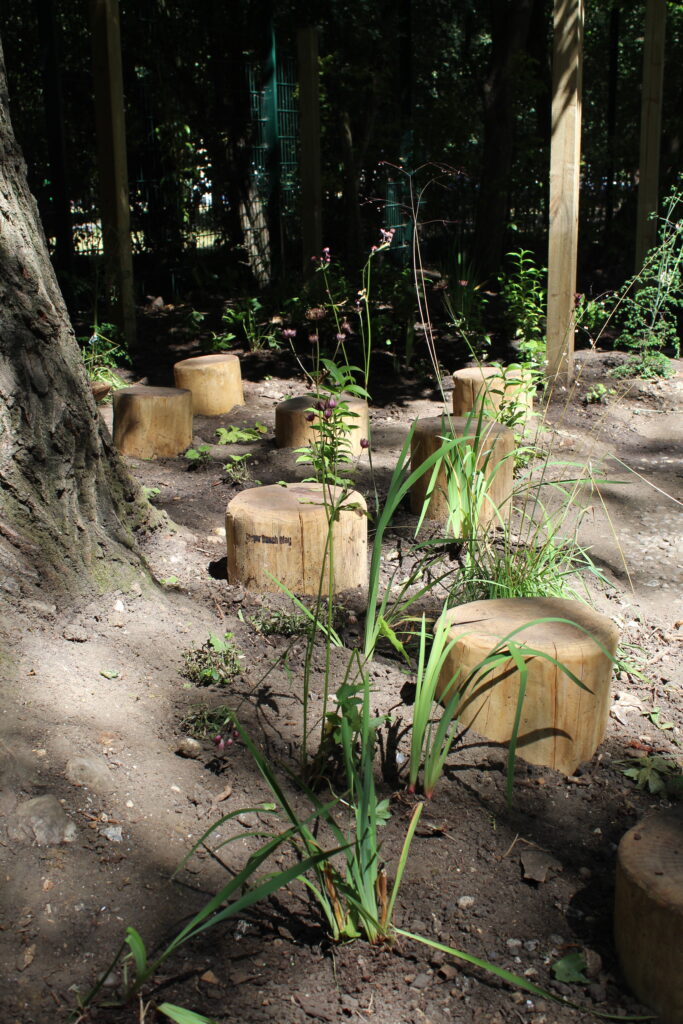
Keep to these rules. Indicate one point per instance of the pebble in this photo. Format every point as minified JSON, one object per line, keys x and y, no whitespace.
{"x":189,"y":747}
{"x":466,"y":902}
{"x":514,"y":945}
{"x":47,"y":819}
{"x":75,"y":633}
{"x":90,"y":772}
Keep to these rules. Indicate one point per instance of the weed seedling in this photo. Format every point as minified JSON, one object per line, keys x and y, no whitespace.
{"x":216,"y":662}
{"x":197,"y":457}
{"x":237,"y":468}
{"x":240,"y":435}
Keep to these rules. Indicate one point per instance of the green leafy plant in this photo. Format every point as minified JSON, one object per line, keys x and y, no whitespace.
{"x":330,"y":416}
{"x":200,"y":456}
{"x":208,"y":722}
{"x":252,"y":327}
{"x":651,"y":302}
{"x":524,"y":296}
{"x":239,"y":435}
{"x":102,"y":355}
{"x":236,"y":468}
{"x":656,"y":774}
{"x":595,"y":395}
{"x":571,"y":969}
{"x":275,"y":622}
{"x":216,"y":662}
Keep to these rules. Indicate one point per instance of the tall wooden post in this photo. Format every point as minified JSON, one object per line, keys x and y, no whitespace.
{"x":309,"y":130}
{"x":565,"y":166}
{"x":112,"y":164}
{"x":650,"y":127}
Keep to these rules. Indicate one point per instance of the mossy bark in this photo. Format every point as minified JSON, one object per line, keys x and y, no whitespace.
{"x":68,"y":507}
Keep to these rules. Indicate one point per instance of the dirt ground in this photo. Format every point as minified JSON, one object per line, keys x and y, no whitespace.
{"x":93,"y":707}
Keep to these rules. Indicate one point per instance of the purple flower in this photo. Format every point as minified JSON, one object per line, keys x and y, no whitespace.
{"x":289,"y":332}
{"x":313,"y":338}
{"x":331,"y":403}
{"x":364,"y":443}
{"x":328,"y":414}
{"x":220,"y":744}
{"x":340,"y":338}
{"x":319,"y":406}
{"x":310,"y":417}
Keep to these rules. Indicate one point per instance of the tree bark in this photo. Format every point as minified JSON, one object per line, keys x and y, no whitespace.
{"x":509,"y":33}
{"x":68,"y":507}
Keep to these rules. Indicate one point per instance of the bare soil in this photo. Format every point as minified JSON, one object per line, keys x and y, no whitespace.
{"x":93,"y":706}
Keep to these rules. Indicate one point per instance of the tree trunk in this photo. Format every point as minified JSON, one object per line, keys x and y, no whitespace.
{"x":509,"y":33}
{"x":67,"y":504}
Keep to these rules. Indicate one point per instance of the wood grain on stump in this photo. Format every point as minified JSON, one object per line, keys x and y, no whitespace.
{"x":293,"y":430}
{"x":495,"y":445}
{"x":152,"y":422}
{"x":214,"y":380}
{"x":476,"y":384}
{"x":561,"y":724}
{"x":648,"y":912}
{"x":284,"y":531}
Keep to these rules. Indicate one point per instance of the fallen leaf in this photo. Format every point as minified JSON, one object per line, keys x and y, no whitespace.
{"x":47,"y":885}
{"x":210,"y":978}
{"x":27,"y":958}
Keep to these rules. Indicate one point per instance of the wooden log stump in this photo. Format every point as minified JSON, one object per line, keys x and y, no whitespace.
{"x":491,"y":386}
{"x":648,"y":912}
{"x":214,"y":380}
{"x":293,"y":430}
{"x":284,"y":531}
{"x":561,"y":724}
{"x":152,"y":422}
{"x":495,"y":446}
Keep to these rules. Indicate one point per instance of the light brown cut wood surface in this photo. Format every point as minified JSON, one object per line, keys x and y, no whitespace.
{"x":562,"y":724}
{"x":648,"y":912}
{"x":476,"y":384}
{"x":152,"y":422}
{"x":495,"y":445}
{"x":282,"y":532}
{"x":293,"y":430}
{"x":214,"y":380}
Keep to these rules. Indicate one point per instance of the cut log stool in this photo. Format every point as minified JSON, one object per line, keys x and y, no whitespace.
{"x":283,"y":531}
{"x":495,"y":444}
{"x":152,"y":422}
{"x":492,"y":386}
{"x":561,"y":724}
{"x":215,"y":382}
{"x":293,"y":430}
{"x":648,"y":912}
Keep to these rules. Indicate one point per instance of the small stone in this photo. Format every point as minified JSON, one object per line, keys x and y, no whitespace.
{"x":597,"y":992}
{"x":88,"y":771}
{"x":114,"y":833}
{"x":422,"y":981}
{"x":75,"y":633}
{"x":466,"y":902}
{"x":531,"y":945}
{"x":248,"y":819}
{"x":47,"y":820}
{"x":593,"y":962}
{"x":189,"y":747}
{"x":514,"y":945}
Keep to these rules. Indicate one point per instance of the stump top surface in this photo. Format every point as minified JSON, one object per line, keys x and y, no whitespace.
{"x":486,"y":371}
{"x":497,"y":618}
{"x":144,"y":390}
{"x":652,"y":853}
{"x":458,"y":426}
{"x":294,"y":499}
{"x":197,"y":362}
{"x":304,"y":402}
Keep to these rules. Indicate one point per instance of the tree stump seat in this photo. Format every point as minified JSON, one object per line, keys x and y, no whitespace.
{"x":214,"y":380}
{"x":561,"y":723}
{"x":294,"y":430}
{"x":495,"y":446}
{"x":152,"y":422}
{"x":648,"y":912}
{"x":491,"y":386}
{"x":283,"y":531}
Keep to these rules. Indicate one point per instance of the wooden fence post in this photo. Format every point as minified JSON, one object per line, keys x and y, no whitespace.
{"x":650,"y":128}
{"x":565,"y":166}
